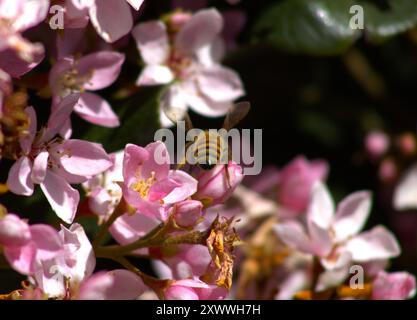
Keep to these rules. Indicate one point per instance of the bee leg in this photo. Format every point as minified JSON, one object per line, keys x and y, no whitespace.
{"x":228,"y":177}
{"x":180,"y":164}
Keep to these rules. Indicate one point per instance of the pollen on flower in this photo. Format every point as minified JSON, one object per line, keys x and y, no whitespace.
{"x":142,"y":186}
{"x":71,"y":81}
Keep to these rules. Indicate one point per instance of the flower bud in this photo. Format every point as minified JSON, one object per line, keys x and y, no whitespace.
{"x":407,"y":144}
{"x":188,"y":213}
{"x":388,"y":170}
{"x":376,"y":144}
{"x":177,"y":292}
{"x":214,"y":187}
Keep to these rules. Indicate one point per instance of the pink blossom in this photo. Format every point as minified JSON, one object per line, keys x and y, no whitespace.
{"x":149,"y":185}
{"x":112,"y":19}
{"x":333,"y":234}
{"x":92,"y":72}
{"x":54,"y":163}
{"x":296,"y":181}
{"x":24,"y":245}
{"x":388,"y":170}
{"x":194,"y":289}
{"x":18,"y":55}
{"x":69,"y":274}
{"x":213,"y":186}
{"x":376,"y":144}
{"x":393,"y":286}
{"x":188,"y":64}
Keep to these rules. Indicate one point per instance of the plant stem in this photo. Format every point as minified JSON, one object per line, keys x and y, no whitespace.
{"x":119,"y":211}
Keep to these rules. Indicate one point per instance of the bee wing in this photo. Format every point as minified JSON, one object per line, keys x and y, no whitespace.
{"x":177,"y":114}
{"x":236,"y":113}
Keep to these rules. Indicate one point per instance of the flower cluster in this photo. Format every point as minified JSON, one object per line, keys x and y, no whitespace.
{"x":111,"y":193}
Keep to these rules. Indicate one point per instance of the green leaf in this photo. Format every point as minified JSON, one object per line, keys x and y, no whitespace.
{"x":383,"y":24}
{"x":304,"y":26}
{"x":322,"y":27}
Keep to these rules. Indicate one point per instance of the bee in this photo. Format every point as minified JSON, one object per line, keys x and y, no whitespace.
{"x":209,"y":148}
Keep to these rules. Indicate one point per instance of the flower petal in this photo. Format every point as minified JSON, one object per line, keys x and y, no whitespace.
{"x":155,"y":75}
{"x":405,"y":195}
{"x":220,"y":84}
{"x":351,"y":215}
{"x":107,"y":25}
{"x":40,"y":165}
{"x":321,"y":208}
{"x":376,"y":244}
{"x":14,"y":65}
{"x":134,"y":157}
{"x":19,"y":180}
{"x":136,"y":4}
{"x":22,"y":258}
{"x":60,"y":116}
{"x":47,"y":241}
{"x":33,"y":13}
{"x":83,"y":158}
{"x":158,"y":161}
{"x":393,"y":286}
{"x":293,"y":235}
{"x":100,"y":68}
{"x":14,"y":231}
{"x":95,"y":109}
{"x":152,"y":42}
{"x":187,"y":186}
{"x":201,"y":30}
{"x":61,"y":196}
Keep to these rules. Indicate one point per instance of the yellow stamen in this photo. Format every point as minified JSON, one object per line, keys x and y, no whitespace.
{"x":143,"y":186}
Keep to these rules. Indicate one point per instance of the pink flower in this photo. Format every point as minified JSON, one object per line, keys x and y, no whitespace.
{"x":333,"y":236}
{"x":18,"y":55}
{"x":103,"y":191}
{"x":188,"y":213}
{"x":112,"y":19}
{"x":25,"y":245}
{"x":69,"y":274}
{"x":296,"y":181}
{"x":376,"y":144}
{"x":92,"y":72}
{"x":55,"y":163}
{"x":213,"y":187}
{"x":393,"y":286}
{"x":188,"y":64}
{"x":194,"y":289}
{"x":149,"y":185}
